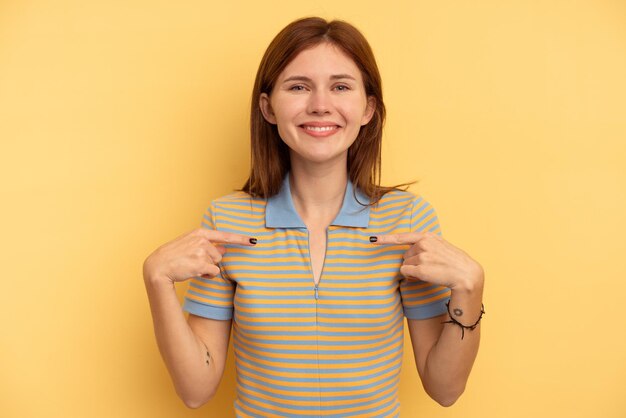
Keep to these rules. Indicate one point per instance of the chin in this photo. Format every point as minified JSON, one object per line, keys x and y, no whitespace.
{"x":320,"y":158}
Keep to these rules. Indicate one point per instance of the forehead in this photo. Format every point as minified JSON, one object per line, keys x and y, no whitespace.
{"x":323,"y":60}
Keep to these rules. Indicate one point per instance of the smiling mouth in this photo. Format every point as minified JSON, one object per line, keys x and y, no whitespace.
{"x":320,"y":128}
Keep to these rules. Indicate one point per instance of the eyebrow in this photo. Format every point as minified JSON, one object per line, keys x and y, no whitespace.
{"x":307,"y":79}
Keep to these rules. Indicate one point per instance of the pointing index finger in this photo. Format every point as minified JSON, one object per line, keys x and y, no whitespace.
{"x":397,"y":239}
{"x":221,"y":237}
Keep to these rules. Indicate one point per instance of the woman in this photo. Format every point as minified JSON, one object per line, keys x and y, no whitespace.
{"x":313,"y":263}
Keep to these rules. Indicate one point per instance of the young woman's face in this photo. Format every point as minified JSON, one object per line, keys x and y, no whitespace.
{"x":319,"y":104}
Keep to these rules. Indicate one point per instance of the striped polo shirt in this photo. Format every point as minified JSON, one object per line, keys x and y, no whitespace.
{"x":303,"y":350}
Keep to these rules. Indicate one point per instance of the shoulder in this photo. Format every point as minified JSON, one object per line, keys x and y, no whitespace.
{"x":237,"y":202}
{"x":235,"y":212}
{"x":399,"y":199}
{"x":414,"y":209}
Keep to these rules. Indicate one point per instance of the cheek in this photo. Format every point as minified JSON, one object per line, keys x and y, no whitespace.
{"x":356,"y":109}
{"x":286,"y":130}
{"x":286,"y":108}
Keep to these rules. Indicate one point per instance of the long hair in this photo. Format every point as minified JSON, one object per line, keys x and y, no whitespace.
{"x":269,"y":155}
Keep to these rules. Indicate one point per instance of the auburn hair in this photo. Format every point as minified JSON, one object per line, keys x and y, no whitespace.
{"x":270,"y":160}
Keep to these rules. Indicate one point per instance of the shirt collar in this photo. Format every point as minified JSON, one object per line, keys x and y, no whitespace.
{"x":281,"y":213}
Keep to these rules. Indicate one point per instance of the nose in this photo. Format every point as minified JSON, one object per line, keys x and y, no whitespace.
{"x":319,"y":103}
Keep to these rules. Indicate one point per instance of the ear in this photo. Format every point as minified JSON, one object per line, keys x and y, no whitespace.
{"x":266,"y":108}
{"x":369,"y":110}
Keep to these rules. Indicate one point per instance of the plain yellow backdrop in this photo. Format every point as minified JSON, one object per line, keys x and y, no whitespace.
{"x":121,"y":120}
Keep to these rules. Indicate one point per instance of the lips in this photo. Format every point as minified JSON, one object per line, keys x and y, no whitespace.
{"x":320,"y":129}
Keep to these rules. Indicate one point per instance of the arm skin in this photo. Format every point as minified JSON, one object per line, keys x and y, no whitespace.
{"x":443,"y":359}
{"x":182,"y":344}
{"x":185,"y":344}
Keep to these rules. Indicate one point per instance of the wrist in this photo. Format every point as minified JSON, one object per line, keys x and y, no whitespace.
{"x":455,"y":317}
{"x":472,"y":284}
{"x":467,"y":297}
{"x":153,"y":278}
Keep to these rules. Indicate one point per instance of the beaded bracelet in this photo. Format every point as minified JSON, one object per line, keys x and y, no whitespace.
{"x":464,"y":327}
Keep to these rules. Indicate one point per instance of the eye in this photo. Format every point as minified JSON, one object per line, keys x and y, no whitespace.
{"x":297,"y":87}
{"x":342,"y":87}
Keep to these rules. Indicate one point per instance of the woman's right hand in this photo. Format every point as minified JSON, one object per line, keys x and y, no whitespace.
{"x":195,"y":253}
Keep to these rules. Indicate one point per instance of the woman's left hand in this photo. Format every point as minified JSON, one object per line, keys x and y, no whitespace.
{"x":433,"y":259}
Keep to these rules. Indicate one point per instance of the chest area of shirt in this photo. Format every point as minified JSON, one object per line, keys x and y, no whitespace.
{"x":283,"y":265}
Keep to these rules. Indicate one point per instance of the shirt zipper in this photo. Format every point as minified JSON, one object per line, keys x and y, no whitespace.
{"x":316,"y":285}
{"x":316,"y":295}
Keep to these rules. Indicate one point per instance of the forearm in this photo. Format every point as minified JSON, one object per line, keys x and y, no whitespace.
{"x":450,"y":361}
{"x":182,"y":351}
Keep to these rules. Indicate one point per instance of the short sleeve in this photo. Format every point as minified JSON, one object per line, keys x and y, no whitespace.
{"x":210,"y":298}
{"x":422,"y":300}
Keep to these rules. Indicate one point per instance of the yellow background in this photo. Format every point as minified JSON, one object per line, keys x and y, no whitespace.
{"x":121,"y":120}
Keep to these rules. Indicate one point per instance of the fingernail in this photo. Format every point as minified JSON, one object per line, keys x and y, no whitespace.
{"x":253,"y":241}
{"x":373,"y":239}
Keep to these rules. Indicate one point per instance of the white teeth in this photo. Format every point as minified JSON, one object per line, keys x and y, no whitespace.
{"x":320,"y":128}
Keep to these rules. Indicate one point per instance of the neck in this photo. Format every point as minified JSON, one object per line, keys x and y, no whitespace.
{"x":318,"y":192}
